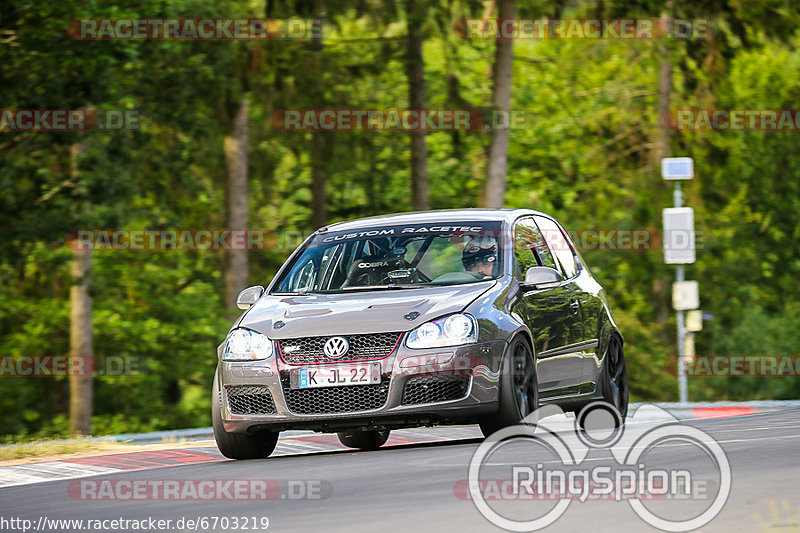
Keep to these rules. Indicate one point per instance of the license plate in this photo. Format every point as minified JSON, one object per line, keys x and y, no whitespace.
{"x":336,"y":376}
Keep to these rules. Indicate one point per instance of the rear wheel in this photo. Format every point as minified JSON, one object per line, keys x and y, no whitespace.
{"x":614,"y":387}
{"x":364,"y":439}
{"x":239,"y":445}
{"x":615,"y":378}
{"x":519,"y":388}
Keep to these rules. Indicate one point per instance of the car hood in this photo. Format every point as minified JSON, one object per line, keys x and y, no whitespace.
{"x":358,"y":312}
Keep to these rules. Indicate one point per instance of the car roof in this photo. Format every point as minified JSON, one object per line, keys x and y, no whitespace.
{"x":439,"y":215}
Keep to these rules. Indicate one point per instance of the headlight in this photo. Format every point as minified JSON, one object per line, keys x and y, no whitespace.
{"x":246,"y":345}
{"x":447,"y":331}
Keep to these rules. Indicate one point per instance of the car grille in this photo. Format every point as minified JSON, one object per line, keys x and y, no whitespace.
{"x":324,"y":400}
{"x":308,"y":350}
{"x":250,"y":400}
{"x":434,"y":389}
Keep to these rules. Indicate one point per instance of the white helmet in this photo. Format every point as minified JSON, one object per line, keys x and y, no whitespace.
{"x":478,"y":249}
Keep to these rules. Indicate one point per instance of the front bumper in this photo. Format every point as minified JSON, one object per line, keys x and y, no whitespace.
{"x":418,"y":387}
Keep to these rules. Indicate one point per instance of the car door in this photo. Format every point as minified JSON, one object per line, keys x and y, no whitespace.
{"x":579,"y":351}
{"x":548,"y":313}
{"x":592,"y":309}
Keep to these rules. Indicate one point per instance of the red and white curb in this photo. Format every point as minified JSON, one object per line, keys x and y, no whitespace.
{"x":79,"y":467}
{"x":205,"y":452}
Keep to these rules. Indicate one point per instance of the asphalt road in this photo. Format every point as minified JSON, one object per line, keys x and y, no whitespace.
{"x":411,"y":488}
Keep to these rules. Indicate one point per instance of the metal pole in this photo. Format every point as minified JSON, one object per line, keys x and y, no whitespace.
{"x":683,"y":392}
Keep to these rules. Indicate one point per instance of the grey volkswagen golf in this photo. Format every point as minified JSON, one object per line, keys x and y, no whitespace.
{"x":416,"y":319}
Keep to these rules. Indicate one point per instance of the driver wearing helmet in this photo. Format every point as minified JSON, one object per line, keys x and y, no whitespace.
{"x":480,"y":256}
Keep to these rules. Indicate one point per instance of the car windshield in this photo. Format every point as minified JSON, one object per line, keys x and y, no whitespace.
{"x":396,"y":257}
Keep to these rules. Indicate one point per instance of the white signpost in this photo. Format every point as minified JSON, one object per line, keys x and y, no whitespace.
{"x":694,"y":320}
{"x":685,"y":295}
{"x":678,"y":235}
{"x":677,"y":168}
{"x":679,"y":249}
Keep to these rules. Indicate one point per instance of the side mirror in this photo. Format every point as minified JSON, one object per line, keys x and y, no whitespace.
{"x":541,"y":278}
{"x":249,"y":296}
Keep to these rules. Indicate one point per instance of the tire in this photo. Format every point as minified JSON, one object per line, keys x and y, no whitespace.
{"x":613,"y":386}
{"x":364,"y":439}
{"x":615,"y":377}
{"x":519,"y":388}
{"x":239,"y":445}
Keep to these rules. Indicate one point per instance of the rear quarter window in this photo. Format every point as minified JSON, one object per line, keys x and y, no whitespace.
{"x":559,"y":244}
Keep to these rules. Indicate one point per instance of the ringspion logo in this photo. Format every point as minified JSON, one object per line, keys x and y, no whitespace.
{"x":537,"y":463}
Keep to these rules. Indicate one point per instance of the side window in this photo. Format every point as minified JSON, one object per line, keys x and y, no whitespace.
{"x":444,"y":254}
{"x":305,"y":278}
{"x":327,"y":268}
{"x":529,"y":246}
{"x":559,"y":244}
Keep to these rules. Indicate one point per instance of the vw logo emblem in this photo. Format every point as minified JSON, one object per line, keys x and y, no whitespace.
{"x":336,"y":347}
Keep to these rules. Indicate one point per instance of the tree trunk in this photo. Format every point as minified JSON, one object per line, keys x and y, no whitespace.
{"x":662,"y":149}
{"x":236,"y":157}
{"x":319,"y":212}
{"x":319,"y":178}
{"x":501,"y":101}
{"x":415,"y":70}
{"x":664,"y":92}
{"x":80,"y":327}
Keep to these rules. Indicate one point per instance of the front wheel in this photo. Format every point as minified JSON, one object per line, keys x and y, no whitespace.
{"x":519,"y":388}
{"x":364,"y":439}
{"x":239,"y":445}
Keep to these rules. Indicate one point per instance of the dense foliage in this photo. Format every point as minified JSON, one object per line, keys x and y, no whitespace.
{"x":583,"y":155}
